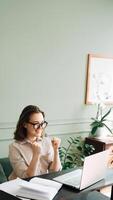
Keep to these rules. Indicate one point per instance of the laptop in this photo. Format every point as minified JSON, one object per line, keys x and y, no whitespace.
{"x":94,"y":170}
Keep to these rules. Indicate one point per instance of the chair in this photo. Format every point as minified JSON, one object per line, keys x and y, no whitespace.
{"x":5,"y":169}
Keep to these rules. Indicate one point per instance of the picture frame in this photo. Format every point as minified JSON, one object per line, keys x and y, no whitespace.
{"x":99,"y":80}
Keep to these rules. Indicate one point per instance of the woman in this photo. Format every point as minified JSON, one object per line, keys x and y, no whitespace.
{"x":31,"y":153}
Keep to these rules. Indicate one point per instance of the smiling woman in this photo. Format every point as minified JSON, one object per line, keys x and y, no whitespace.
{"x":32,"y":153}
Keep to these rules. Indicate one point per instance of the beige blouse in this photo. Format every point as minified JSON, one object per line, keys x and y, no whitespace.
{"x":20,"y":155}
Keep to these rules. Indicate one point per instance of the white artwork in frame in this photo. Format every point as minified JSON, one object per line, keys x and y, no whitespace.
{"x":99,"y":86}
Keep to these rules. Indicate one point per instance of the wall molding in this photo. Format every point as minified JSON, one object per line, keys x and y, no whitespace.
{"x":55,"y":128}
{"x":70,"y":133}
{"x":6,"y":139}
{"x":12,"y":125}
{"x":68,"y":121}
{"x":7,"y":125}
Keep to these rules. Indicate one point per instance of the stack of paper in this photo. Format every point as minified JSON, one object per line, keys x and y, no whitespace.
{"x":37,"y":188}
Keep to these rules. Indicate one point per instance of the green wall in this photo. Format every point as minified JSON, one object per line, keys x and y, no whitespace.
{"x":43,"y":58}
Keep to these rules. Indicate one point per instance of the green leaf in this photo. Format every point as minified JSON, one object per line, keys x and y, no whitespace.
{"x":108,"y":128}
{"x":64,"y":148}
{"x":106,"y":114}
{"x":72,"y":140}
{"x":95,"y":123}
{"x":73,"y":154}
{"x":79,"y":148}
{"x":70,"y":158}
{"x":94,"y":130}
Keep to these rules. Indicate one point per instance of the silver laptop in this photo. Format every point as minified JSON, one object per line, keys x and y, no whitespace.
{"x":94,"y":169}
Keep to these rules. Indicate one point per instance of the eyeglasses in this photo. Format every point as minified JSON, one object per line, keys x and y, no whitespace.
{"x":38,"y":125}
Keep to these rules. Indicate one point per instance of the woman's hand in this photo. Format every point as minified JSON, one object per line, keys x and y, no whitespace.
{"x":36,"y":148}
{"x":56,"y":143}
{"x":56,"y":164}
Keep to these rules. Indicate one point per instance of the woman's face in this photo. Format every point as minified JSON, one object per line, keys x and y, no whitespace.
{"x":35,"y":126}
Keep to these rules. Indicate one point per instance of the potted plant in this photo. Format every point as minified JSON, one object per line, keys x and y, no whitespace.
{"x":100,"y":121}
{"x":73,"y":155}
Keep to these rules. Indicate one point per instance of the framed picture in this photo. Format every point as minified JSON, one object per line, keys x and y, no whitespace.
{"x":99,"y":82}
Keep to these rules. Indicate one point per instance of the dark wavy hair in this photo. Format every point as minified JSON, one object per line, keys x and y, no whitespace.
{"x":21,"y":133}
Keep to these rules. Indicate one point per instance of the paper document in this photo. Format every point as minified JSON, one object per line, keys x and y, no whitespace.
{"x":37,"y":188}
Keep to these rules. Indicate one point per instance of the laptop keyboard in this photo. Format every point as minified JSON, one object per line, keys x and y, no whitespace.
{"x":74,"y":181}
{"x":72,"y":178}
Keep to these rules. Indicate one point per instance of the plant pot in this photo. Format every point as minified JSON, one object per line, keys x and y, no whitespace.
{"x":102,"y":132}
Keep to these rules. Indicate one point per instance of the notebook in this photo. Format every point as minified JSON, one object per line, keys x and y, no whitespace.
{"x":94,"y":170}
